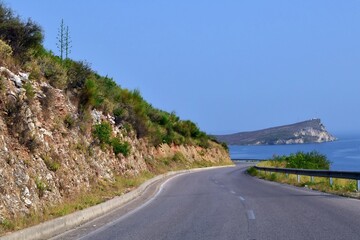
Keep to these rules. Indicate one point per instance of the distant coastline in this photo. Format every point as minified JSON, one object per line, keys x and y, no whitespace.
{"x":343,"y":153}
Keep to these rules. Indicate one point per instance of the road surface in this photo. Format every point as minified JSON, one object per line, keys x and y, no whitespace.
{"x":226,"y":203}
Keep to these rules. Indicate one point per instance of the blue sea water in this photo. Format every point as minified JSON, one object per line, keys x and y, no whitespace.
{"x":343,"y":153}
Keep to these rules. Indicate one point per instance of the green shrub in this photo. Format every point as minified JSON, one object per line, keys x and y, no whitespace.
{"x":52,"y":162}
{"x":156,"y":136}
{"x":159,"y":117}
{"x":103,"y":132}
{"x":21,"y":36}
{"x":5,"y":50}
{"x":187,"y":129}
{"x":119,"y":114}
{"x":51,"y":165}
{"x":41,"y":186}
{"x":178,"y":158}
{"x":252,"y":171}
{"x":53,"y":71}
{"x":7,"y":224}
{"x":273,"y":177}
{"x":120,"y":147}
{"x":311,"y":160}
{"x":69,"y":121}
{"x":225,"y":146}
{"x":29,"y":90}
{"x":178,"y":139}
{"x":77,"y":73}
{"x":203,"y":141}
{"x":90,"y":95}
{"x":302,"y":160}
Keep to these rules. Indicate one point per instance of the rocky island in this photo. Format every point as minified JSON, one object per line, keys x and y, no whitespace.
{"x":310,"y":131}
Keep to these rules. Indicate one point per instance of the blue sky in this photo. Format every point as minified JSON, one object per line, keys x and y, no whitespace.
{"x":227,"y":65}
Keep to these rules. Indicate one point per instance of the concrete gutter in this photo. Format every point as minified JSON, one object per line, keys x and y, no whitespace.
{"x":60,"y":225}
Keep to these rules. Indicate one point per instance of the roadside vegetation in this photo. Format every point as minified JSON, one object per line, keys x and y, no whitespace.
{"x":301,"y":160}
{"x":21,"y":49}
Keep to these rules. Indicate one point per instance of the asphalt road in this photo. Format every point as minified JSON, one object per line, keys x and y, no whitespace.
{"x":228,"y":204}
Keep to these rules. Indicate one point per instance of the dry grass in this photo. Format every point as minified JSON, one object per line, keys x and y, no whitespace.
{"x":102,"y":191}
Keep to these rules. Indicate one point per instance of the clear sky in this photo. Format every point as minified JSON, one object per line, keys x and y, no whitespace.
{"x":228,"y":65}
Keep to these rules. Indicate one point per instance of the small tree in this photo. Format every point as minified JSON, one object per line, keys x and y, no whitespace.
{"x":61,"y":39}
{"x":20,"y":36}
{"x":67,"y":43}
{"x":64,"y":41}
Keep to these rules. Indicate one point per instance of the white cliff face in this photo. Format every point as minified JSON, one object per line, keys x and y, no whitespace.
{"x":305,"y":135}
{"x":316,"y":135}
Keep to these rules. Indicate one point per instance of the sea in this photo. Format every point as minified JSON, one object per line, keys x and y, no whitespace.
{"x":344,"y":153}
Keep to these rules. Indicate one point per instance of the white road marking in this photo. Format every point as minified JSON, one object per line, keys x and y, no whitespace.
{"x":112,"y":223}
{"x":241,"y":198}
{"x":233,"y":192}
{"x":250,"y":214}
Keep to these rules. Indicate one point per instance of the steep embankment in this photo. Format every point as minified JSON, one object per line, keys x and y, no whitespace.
{"x":311,"y":131}
{"x":46,"y":157}
{"x":67,"y":133}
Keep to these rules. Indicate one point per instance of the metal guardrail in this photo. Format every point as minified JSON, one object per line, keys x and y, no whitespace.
{"x":315,"y":173}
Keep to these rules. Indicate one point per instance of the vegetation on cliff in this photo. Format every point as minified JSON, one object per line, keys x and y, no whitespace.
{"x":92,"y":91}
{"x":68,"y":134}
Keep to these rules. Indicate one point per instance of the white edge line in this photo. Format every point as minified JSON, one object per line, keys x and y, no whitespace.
{"x":250,"y":214}
{"x":134,"y":210}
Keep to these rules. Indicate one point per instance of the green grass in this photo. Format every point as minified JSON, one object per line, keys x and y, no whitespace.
{"x":343,"y":187}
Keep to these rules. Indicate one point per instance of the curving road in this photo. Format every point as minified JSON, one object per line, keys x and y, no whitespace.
{"x":226,"y":203}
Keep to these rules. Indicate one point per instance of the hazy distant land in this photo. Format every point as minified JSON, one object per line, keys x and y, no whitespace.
{"x":310,"y":131}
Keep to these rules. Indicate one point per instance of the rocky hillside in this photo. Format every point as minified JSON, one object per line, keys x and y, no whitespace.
{"x":311,"y":131}
{"x":65,"y":130}
{"x":45,"y":158}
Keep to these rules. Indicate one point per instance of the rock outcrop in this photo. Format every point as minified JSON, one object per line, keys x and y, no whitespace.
{"x":44,"y":159}
{"x":311,"y":131}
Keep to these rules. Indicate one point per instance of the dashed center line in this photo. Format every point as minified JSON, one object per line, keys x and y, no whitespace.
{"x":233,"y":192}
{"x":241,"y":198}
{"x":250,"y":214}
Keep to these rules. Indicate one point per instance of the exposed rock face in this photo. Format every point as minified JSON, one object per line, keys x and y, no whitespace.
{"x":312,"y":131}
{"x":33,"y":135}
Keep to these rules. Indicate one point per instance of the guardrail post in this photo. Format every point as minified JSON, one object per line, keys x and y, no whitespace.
{"x":312,"y":179}
{"x":287,"y":175}
{"x":298,"y":178}
{"x":358,"y":185}
{"x":331,"y":181}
